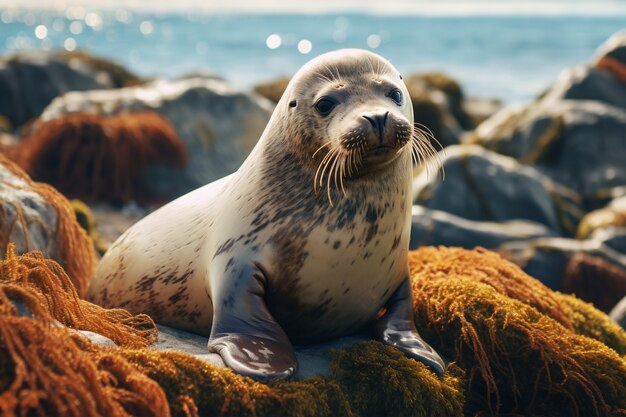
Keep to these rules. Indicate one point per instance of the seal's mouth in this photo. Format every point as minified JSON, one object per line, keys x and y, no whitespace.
{"x":382,"y":150}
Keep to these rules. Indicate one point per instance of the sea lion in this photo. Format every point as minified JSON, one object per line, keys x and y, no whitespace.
{"x":307,"y":241}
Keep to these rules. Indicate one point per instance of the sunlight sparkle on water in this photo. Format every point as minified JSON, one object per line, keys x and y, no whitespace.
{"x":273,"y":41}
{"x":146,"y":27}
{"x":76,"y":27}
{"x":373,"y":41}
{"x":69,"y":44}
{"x":305,"y":46}
{"x":41,"y":32}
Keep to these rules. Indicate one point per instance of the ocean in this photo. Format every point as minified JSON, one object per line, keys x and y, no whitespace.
{"x":510,"y":57}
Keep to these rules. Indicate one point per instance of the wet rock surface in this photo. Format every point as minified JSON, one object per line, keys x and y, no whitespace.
{"x":218,"y":124}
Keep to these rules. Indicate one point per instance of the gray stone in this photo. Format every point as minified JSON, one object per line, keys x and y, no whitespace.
{"x":546,"y":258}
{"x":585,"y":83}
{"x":29,"y":81}
{"x":483,"y":186}
{"x":27,"y":219}
{"x":218,"y":124}
{"x":618,"y":313}
{"x":578,"y":143}
{"x":312,"y":359}
{"x":613,"y":237}
{"x":434,"y":227}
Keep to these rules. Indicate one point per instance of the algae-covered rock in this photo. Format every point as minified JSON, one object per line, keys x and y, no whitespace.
{"x":480,"y":311}
{"x":34,"y":216}
{"x":435,"y":227}
{"x":217,"y":124}
{"x":481,"y":185}
{"x":515,"y":347}
{"x":29,"y":81}
{"x":589,"y":321}
{"x":97,"y":157}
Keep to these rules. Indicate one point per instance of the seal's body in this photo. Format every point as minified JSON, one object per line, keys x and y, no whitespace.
{"x":307,"y":241}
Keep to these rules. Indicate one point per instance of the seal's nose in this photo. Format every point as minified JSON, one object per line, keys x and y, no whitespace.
{"x":378,"y":122}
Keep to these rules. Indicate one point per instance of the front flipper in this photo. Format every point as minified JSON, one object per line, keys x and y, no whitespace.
{"x":396,"y":328}
{"x":244,"y":333}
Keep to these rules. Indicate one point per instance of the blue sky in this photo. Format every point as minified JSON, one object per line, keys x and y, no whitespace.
{"x":424,"y":7}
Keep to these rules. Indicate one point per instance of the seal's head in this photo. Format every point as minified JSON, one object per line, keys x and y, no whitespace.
{"x":351,"y":114}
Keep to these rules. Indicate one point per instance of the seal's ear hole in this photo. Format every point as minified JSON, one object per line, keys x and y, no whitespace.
{"x":292,"y":103}
{"x":400,"y":76}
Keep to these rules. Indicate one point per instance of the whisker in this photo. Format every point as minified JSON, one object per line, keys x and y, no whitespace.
{"x":322,"y":166}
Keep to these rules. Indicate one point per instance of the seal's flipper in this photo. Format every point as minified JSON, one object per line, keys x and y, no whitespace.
{"x":245,"y":334}
{"x":396,"y":328}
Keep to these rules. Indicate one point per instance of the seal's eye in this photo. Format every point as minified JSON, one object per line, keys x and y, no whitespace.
{"x":396,"y":95}
{"x":325,"y":105}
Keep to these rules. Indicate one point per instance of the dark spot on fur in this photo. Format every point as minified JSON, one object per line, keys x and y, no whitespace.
{"x":224,"y":247}
{"x":337,"y":244}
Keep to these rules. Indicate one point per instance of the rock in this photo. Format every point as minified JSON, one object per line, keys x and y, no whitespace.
{"x":613,"y":237}
{"x":35,"y":216}
{"x":106,"y":70}
{"x":594,"y":280}
{"x":611,"y":55}
{"x":618,"y":313}
{"x":218,"y":124}
{"x":438,"y":81}
{"x":30,"y":81}
{"x":431,"y":112}
{"x":547,"y":258}
{"x":97,"y":157}
{"x":272,"y":90}
{"x":483,"y":186}
{"x":584,"y":83}
{"x":480,"y":109}
{"x":613,"y":216}
{"x":434,"y":228}
{"x":313,"y":360}
{"x":555,"y":138}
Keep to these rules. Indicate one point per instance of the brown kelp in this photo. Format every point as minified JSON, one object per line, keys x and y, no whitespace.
{"x":100,"y":157}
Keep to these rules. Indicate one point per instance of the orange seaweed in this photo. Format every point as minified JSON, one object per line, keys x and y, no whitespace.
{"x":100,"y":158}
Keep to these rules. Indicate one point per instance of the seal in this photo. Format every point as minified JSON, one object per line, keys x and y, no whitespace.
{"x":306,"y":242}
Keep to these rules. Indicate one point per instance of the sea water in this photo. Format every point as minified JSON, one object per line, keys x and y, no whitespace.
{"x":510,"y":57}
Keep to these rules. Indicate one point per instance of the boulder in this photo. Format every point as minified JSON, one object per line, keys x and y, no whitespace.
{"x":272,"y":90}
{"x":29,"y":81}
{"x":578,"y":143}
{"x":588,"y":83}
{"x":34,"y":216}
{"x":434,"y":228}
{"x":483,"y":186}
{"x":594,"y":280}
{"x":611,"y":216}
{"x":611,"y":55}
{"x":613,"y":237}
{"x":218,"y":125}
{"x":547,"y":258}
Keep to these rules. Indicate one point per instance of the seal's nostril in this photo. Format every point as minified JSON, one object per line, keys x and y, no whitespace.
{"x":385,"y":119}
{"x":372,"y":122}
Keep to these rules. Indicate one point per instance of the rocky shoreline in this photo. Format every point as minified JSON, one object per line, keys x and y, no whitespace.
{"x":542,"y":185}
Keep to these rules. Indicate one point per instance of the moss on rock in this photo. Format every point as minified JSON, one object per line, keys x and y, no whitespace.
{"x":589,"y":321}
{"x":518,"y":360}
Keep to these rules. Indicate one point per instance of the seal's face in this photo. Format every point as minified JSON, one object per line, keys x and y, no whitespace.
{"x":354,"y":116}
